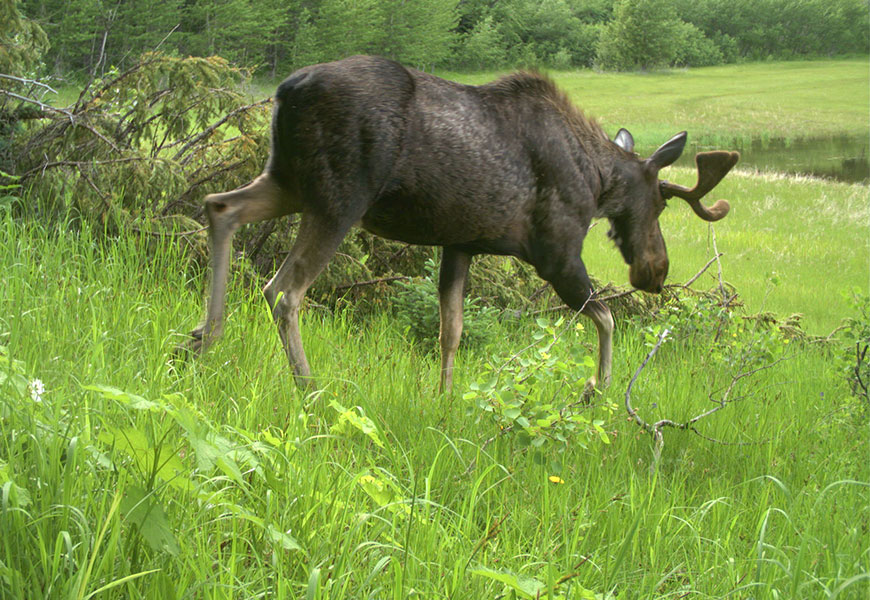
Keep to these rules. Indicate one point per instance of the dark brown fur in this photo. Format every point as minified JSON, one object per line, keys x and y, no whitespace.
{"x":511,"y":167}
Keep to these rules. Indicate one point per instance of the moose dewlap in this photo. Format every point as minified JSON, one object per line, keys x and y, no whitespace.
{"x":510,"y":167}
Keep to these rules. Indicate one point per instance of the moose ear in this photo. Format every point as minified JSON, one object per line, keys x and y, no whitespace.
{"x":668,"y":152}
{"x":624,"y":140}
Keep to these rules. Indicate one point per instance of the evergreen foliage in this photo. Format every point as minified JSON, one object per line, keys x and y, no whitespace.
{"x":22,"y":41}
{"x":275,"y":36}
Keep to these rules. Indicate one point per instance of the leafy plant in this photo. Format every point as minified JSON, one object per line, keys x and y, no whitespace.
{"x":539,"y":394}
{"x":151,"y":452}
{"x":7,"y":198}
{"x":530,"y":588}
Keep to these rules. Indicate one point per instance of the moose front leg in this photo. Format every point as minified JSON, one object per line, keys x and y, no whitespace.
{"x":567,"y":273}
{"x":451,"y":289}
{"x":603,"y":319}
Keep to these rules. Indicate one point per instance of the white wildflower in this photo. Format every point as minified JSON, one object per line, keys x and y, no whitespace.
{"x":37,"y":388}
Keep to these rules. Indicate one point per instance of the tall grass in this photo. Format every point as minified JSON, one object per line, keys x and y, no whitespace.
{"x":129,"y":475}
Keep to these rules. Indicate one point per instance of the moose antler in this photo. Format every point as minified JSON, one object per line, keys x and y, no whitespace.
{"x":712,"y":167}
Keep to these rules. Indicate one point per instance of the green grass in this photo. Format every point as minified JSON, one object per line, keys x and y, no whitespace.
{"x":716,"y":105}
{"x":218,"y":479}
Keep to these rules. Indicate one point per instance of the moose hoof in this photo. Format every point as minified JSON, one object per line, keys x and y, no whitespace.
{"x":590,"y":389}
{"x":193,"y":345}
{"x":306,"y":383}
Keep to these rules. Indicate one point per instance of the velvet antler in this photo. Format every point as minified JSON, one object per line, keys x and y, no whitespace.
{"x":712,"y":167}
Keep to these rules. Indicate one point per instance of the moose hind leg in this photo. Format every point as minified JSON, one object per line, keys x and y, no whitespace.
{"x":315,"y":244}
{"x":451,"y":289}
{"x":259,"y":200}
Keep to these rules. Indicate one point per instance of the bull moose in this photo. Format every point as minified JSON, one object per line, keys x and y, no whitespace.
{"x":509,"y":168}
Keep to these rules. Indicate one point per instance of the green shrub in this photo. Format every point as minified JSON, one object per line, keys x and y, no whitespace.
{"x":539,"y":393}
{"x":696,"y":50}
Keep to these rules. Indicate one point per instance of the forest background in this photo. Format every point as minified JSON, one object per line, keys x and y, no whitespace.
{"x":88,"y":37}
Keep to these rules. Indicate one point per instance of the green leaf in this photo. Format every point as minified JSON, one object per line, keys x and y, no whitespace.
{"x":350,"y":418}
{"x":229,"y":468}
{"x":143,"y":510}
{"x":132,"y":400}
{"x":11,"y":494}
{"x":525,"y":587}
{"x":382,"y":492}
{"x":279,"y":538}
{"x":133,"y":442}
{"x":512,"y":413}
{"x":601,"y":433}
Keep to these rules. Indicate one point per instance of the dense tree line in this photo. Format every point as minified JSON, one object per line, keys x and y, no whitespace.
{"x":275,"y":36}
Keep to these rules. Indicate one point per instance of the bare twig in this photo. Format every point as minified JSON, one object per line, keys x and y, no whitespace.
{"x":652,"y":429}
{"x":28,"y":81}
{"x":655,"y":429}
{"x":860,"y":356}
{"x":694,"y":278}
{"x":621,"y":294}
{"x":45,"y":107}
{"x":79,"y":163}
{"x":717,"y":254}
{"x":103,"y":196}
{"x":490,"y":534}
{"x":163,"y":233}
{"x":350,"y":286}
{"x":166,"y":37}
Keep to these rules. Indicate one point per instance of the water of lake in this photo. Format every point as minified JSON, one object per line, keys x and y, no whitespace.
{"x":843,"y":158}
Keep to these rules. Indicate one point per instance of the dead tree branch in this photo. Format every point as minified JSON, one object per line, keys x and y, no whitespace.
{"x":208,"y":130}
{"x":26,"y":81}
{"x":695,"y":277}
{"x":655,"y":429}
{"x":355,"y":284}
{"x":725,"y":299}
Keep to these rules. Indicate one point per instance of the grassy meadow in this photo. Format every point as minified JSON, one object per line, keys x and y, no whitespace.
{"x":787,"y":100}
{"x":126,"y":473}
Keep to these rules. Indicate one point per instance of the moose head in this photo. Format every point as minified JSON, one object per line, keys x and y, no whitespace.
{"x":634,"y":226}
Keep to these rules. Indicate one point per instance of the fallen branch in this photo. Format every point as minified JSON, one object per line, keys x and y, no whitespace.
{"x":725,"y":300}
{"x":655,"y":429}
{"x":350,"y":286}
{"x":694,"y":278}
{"x":652,"y":429}
{"x":179,"y":156}
{"x":26,"y":81}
